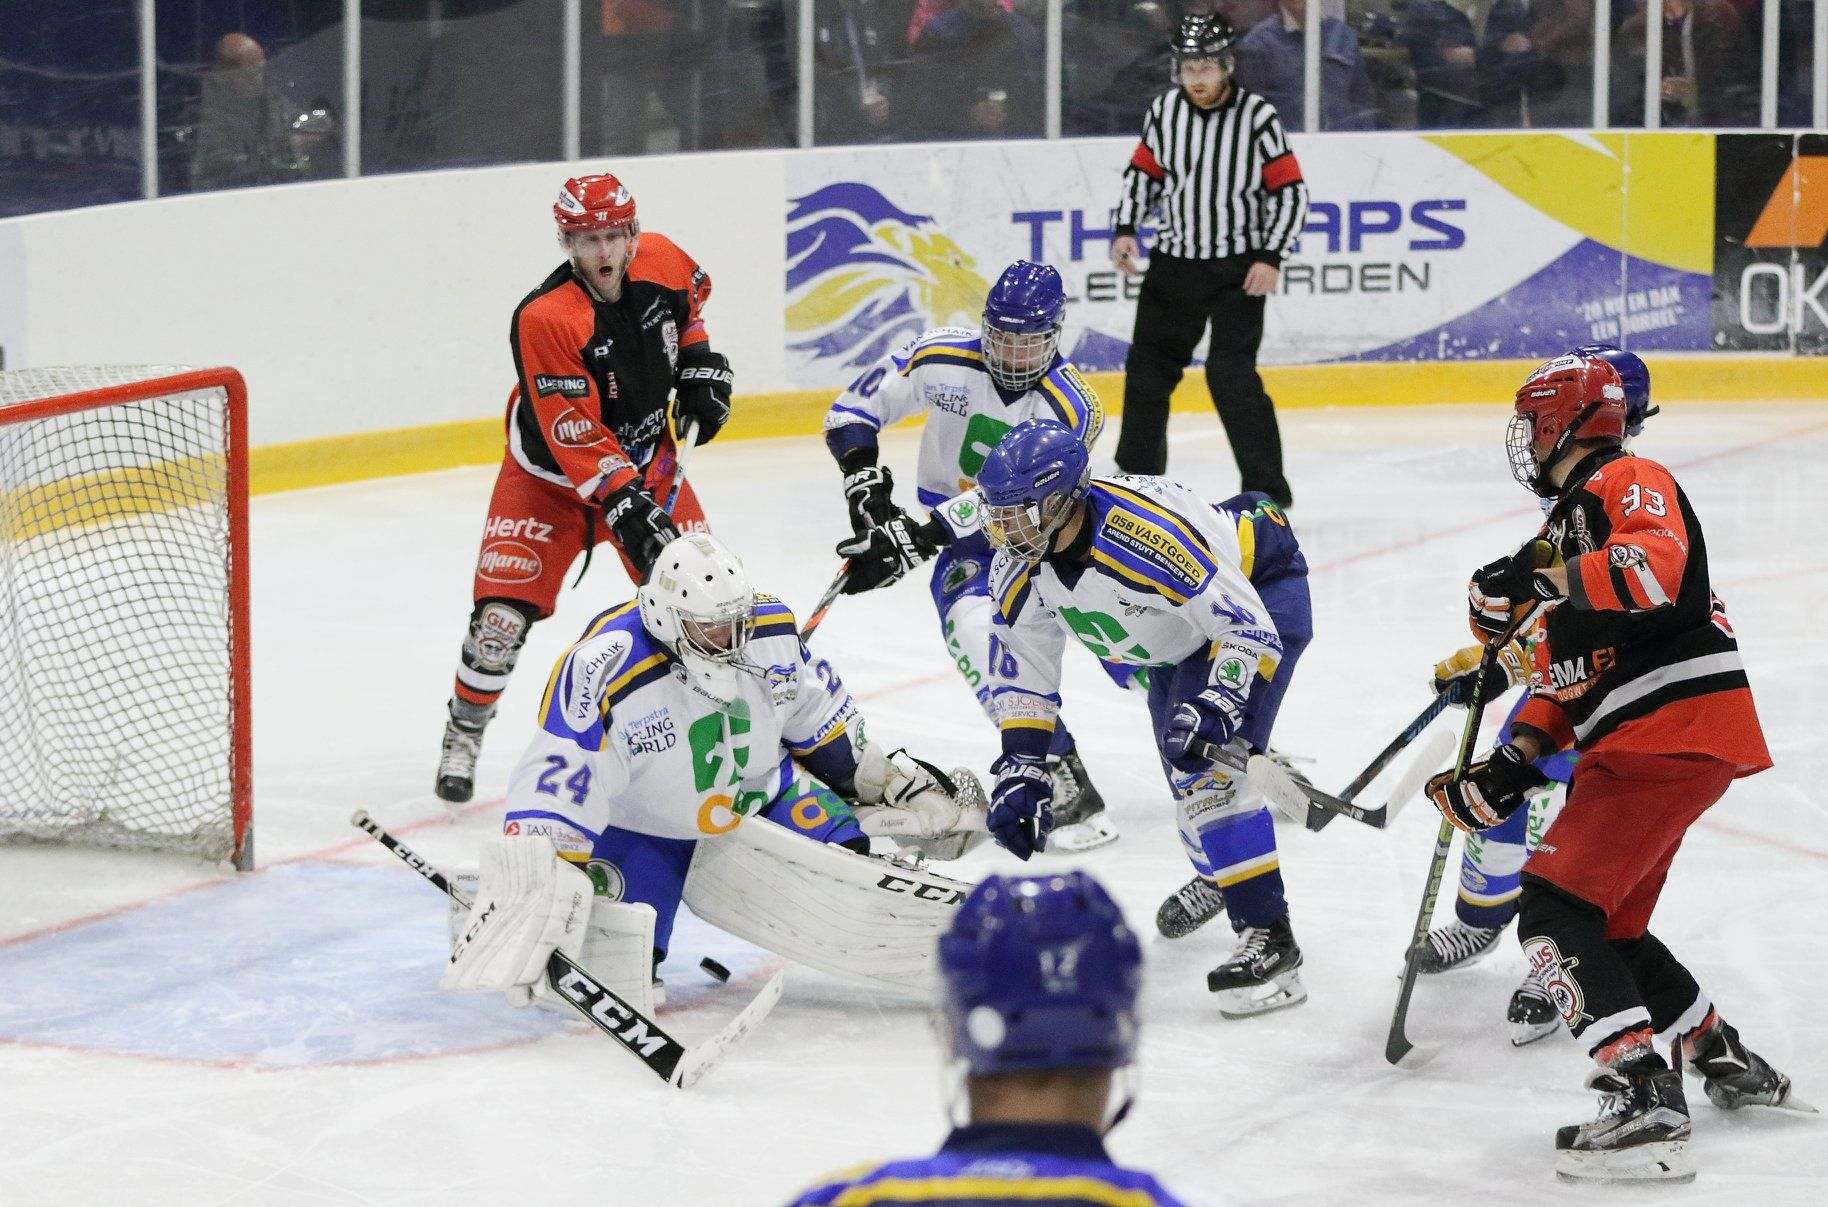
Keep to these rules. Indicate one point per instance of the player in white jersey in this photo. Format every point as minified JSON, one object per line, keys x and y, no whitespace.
{"x":1213,"y":603}
{"x":972,"y":386}
{"x":675,"y":717}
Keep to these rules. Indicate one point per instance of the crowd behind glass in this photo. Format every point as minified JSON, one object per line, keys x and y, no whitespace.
{"x":252,"y":91}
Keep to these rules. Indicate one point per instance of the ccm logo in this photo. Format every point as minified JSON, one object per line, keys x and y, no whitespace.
{"x":572,"y":430}
{"x":926,"y":892}
{"x":508,"y":562}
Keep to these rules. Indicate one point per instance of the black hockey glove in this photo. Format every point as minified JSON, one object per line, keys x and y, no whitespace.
{"x":1491,"y":790}
{"x":867,"y":498}
{"x":882,"y":555}
{"x":641,"y":527}
{"x":703,"y":385}
{"x":1498,"y":586}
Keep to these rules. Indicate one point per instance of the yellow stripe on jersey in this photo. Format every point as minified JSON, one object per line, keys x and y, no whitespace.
{"x":1145,"y":504}
{"x":628,"y":676}
{"x":837,"y":731}
{"x":1168,"y":590}
{"x":596,"y":626}
{"x":1011,"y":599}
{"x":1247,"y":544}
{"x":965,"y":1188}
{"x":1077,"y":406}
{"x":942,"y":353}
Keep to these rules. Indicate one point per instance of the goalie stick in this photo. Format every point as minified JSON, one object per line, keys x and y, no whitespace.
{"x":671,"y":1061}
{"x":1319,"y":819}
{"x":1397,"y":1045}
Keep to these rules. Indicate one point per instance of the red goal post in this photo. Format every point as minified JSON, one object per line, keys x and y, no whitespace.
{"x":125,"y":713}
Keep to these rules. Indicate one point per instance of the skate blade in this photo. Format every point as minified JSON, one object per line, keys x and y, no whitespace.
{"x":1098,"y":830}
{"x":1529,"y":1033}
{"x":1669,"y":1161}
{"x":1249,"y":1002}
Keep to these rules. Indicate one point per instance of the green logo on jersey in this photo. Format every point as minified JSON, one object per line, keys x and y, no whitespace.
{"x":1101,"y":633}
{"x":1231,"y":673}
{"x":981,"y":435}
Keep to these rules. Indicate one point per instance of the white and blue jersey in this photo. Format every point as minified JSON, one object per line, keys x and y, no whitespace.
{"x":942,"y":375}
{"x":1192,"y":595}
{"x":632,"y":763}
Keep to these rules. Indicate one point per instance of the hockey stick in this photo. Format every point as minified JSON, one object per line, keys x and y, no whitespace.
{"x":1292,"y":797}
{"x":825,"y":601}
{"x":680,"y":455}
{"x":1320,"y":819}
{"x":1397,"y":1044}
{"x":670,"y":1060}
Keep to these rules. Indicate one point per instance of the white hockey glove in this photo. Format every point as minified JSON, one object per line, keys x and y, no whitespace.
{"x":529,"y":904}
{"x":904,"y":799}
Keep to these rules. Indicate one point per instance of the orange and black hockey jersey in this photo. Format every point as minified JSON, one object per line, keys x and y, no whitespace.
{"x":593,"y":378}
{"x":1640,"y":656}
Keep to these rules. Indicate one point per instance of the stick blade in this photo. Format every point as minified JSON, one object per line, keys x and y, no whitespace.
{"x":1278,"y":787}
{"x":1437,"y":749}
{"x":702,"y":1058}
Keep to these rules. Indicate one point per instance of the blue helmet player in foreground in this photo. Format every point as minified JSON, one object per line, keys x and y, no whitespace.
{"x":1038,"y":985}
{"x":1212,"y":602}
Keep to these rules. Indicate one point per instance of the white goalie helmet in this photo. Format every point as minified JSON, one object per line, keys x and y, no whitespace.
{"x":698,"y":603}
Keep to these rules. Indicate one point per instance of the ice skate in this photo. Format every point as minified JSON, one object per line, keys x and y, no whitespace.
{"x":1458,"y":945}
{"x":1262,"y":974}
{"x":1733,"y":1074}
{"x":1532,"y":1014}
{"x":1080,"y":822}
{"x":457,"y":763}
{"x":1189,"y":907}
{"x":1642,"y":1131}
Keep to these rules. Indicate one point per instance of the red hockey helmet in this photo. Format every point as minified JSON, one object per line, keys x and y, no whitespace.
{"x":592,"y":203}
{"x":1570,"y":398}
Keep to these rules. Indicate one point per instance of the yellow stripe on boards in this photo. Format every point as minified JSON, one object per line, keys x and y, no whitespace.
{"x":1698,"y":377}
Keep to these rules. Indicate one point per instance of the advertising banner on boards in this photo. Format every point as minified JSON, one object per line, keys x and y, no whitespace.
{"x":1771,"y":243}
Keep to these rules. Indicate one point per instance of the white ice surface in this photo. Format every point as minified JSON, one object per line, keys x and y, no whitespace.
{"x":274,"y":1038}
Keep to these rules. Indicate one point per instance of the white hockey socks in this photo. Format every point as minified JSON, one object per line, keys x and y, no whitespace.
{"x":529,"y":904}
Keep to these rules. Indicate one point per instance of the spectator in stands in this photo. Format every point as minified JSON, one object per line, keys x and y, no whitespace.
{"x":859,"y":48}
{"x":1443,"y":53}
{"x":1270,"y":64}
{"x":244,"y":123}
{"x":1118,"y":107}
{"x":1700,"y":41}
{"x":636,"y":90}
{"x":976,"y":73}
{"x":1535,"y":63}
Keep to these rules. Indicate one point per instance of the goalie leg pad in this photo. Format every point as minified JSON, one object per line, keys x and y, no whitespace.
{"x":828,"y":908}
{"x":528,"y":904}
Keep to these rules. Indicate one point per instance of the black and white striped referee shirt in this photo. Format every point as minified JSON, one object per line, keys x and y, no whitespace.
{"x":1224,"y":177}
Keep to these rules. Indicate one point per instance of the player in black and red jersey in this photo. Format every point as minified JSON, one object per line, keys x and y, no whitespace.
{"x":1636,"y":667}
{"x":598,"y":348}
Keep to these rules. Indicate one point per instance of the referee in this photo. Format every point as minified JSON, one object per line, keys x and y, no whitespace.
{"x":1216,"y":160}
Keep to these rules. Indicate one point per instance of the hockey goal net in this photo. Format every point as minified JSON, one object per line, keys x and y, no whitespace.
{"x":124,"y":710}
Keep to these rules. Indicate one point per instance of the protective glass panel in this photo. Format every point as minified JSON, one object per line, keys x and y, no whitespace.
{"x":1272,"y":55}
{"x":861,"y":61}
{"x":1709,"y":63}
{"x":1116,"y":61}
{"x":69,"y":105}
{"x":460,"y":83}
{"x":248,"y":96}
{"x":688,"y":75}
{"x":974,"y":69}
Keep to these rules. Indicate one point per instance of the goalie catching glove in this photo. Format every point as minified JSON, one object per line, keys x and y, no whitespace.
{"x":902,"y":798}
{"x":1488,"y":792}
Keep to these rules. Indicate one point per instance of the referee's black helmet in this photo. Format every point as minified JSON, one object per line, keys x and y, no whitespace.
{"x":1203,"y":36}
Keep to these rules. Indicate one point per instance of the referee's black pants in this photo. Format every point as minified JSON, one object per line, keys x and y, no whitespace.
{"x":1178,"y":299}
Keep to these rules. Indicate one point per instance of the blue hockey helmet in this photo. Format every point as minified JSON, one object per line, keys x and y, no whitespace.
{"x":1039,"y":972}
{"x":1029,"y":484}
{"x":1634,"y":375}
{"x":1023,"y":315}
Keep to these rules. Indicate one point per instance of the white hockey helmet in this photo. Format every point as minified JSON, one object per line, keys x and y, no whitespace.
{"x":698,"y":603}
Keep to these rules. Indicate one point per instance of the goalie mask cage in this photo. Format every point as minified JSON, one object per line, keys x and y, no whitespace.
{"x":124,"y":709}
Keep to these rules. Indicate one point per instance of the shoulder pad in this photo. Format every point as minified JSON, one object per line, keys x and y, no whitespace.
{"x":660,"y":260}
{"x":1074,"y":400}
{"x":773,"y":619}
{"x":614,"y":658}
{"x":1010,"y":583}
{"x":959,"y":346}
{"x":1147,"y":546}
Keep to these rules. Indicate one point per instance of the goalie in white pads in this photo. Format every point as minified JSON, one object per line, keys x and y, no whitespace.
{"x":676,"y":718}
{"x":972,"y":386}
{"x":1213,"y":603}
